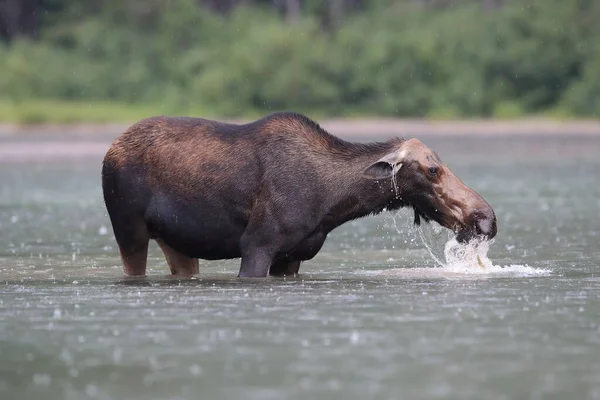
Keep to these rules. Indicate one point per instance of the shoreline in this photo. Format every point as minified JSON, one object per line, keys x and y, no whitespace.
{"x":346,"y":127}
{"x":60,"y":142}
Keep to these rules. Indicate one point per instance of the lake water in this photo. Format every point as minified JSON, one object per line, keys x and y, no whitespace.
{"x":371,"y":317}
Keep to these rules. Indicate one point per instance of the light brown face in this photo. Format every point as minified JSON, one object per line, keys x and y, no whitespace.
{"x":435,"y":193}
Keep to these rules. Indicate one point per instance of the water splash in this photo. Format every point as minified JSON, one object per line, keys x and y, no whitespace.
{"x":468,"y":257}
{"x":434,"y":236}
{"x":472,"y":258}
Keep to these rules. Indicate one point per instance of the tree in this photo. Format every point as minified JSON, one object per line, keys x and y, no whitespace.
{"x":489,"y":5}
{"x":19,"y":17}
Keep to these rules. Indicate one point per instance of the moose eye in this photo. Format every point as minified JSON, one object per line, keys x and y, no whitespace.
{"x":433,"y":171}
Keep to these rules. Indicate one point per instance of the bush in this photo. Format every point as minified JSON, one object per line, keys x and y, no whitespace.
{"x":391,"y":59}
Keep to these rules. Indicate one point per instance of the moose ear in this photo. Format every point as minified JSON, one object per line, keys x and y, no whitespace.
{"x":379,"y":170}
{"x":385,"y":166}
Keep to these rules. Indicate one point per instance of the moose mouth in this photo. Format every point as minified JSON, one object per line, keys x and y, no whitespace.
{"x":462,"y":234}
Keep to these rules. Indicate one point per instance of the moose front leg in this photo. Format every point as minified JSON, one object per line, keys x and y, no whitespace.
{"x":255,"y":263}
{"x":285,"y":268}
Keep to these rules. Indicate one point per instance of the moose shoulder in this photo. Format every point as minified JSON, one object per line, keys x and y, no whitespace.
{"x":269,"y":191}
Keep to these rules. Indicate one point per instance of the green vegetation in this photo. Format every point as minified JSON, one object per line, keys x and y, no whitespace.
{"x":124,"y":60}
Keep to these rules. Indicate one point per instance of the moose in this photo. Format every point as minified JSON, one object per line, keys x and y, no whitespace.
{"x":268,"y":191}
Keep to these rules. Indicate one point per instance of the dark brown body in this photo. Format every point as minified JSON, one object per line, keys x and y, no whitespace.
{"x":268,"y":192}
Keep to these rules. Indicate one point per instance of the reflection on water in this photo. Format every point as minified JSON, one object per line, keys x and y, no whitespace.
{"x":372,"y":316}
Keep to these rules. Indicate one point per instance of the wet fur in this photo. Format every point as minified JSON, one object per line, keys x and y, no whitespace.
{"x":269,"y":191}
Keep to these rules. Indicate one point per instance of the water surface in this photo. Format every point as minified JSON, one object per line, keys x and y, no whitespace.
{"x":372,"y":316}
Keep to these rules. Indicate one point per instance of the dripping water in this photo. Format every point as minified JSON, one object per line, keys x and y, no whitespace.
{"x":453,"y":257}
{"x":395,"y":169}
{"x":432,"y":235}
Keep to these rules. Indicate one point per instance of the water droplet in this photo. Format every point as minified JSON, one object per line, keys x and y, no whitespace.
{"x":117,"y":355}
{"x":195,"y":370}
{"x":41,"y":379}
{"x":91,"y":390}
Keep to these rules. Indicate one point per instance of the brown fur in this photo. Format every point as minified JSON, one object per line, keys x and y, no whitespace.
{"x":179,"y":264}
{"x":269,"y":191}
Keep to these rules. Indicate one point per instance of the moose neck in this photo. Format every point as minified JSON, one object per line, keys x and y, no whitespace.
{"x":355,"y":195}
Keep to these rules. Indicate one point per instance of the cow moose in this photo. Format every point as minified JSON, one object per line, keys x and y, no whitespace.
{"x":269,"y":191}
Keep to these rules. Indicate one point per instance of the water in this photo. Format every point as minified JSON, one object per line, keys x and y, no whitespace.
{"x":372,"y":316}
{"x":460,"y":258}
